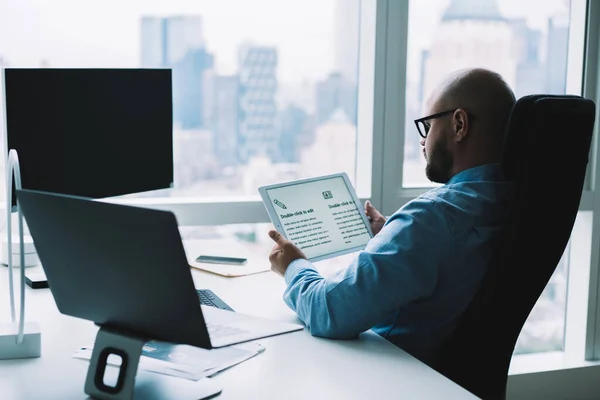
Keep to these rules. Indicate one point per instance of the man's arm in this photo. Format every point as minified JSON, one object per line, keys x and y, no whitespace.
{"x":399,"y":265}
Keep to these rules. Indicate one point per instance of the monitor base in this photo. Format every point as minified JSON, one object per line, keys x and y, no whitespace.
{"x":126,"y":382}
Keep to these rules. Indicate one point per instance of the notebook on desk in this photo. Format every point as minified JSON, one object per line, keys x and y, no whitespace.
{"x":125,"y":267}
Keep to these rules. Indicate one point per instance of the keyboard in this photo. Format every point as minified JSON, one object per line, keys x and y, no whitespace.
{"x":208,"y":298}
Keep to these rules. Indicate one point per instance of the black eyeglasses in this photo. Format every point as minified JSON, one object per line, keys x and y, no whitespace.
{"x":423,"y":124}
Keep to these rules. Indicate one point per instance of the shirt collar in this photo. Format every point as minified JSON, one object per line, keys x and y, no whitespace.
{"x":488,"y":172}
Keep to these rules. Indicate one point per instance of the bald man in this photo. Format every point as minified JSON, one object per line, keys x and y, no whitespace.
{"x":426,"y":261}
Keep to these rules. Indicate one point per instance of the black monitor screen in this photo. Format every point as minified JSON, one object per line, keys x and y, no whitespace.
{"x":91,"y":132}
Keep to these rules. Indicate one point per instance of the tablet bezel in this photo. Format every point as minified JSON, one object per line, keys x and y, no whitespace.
{"x":277,"y":222}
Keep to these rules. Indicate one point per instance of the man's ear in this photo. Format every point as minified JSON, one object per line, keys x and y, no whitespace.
{"x":460,"y":124}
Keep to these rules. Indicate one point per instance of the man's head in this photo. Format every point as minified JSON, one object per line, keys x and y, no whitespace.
{"x":467,"y":116}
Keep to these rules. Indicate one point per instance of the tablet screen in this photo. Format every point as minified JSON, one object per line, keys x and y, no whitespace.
{"x":320,"y":217}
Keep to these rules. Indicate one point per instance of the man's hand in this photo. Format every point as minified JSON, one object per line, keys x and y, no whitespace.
{"x":283,"y":253}
{"x":376,"y":218}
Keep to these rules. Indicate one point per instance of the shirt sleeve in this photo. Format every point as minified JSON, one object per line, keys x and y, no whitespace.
{"x":399,"y":265}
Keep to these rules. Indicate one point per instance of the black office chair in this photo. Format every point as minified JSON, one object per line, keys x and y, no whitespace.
{"x":546,"y":150}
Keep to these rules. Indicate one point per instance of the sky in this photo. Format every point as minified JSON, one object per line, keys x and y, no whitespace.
{"x":105,"y":33}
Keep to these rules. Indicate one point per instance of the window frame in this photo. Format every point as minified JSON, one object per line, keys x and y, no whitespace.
{"x":591,"y":90}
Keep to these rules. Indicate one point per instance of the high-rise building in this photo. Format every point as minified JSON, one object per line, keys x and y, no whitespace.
{"x":530,"y":68}
{"x":221,"y":115}
{"x":153,"y":34}
{"x":188,"y":75}
{"x":177,"y":42}
{"x":470,"y":34}
{"x":294,"y":129}
{"x":166,"y":40}
{"x":335,"y":92}
{"x":347,"y":38}
{"x":257,"y":106}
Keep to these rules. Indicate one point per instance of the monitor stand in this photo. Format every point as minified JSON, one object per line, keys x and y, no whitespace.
{"x":132,"y":384}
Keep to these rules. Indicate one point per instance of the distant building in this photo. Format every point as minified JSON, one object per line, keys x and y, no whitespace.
{"x":178,"y":43}
{"x":470,"y":34}
{"x":221,"y":115}
{"x":166,"y":40}
{"x":298,"y":94}
{"x":530,"y":67}
{"x":347,"y":38}
{"x":294,"y":133}
{"x":194,"y":157}
{"x":334,"y":93}
{"x":187,"y":88}
{"x":257,"y":90}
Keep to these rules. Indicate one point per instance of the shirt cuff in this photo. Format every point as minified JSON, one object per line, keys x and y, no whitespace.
{"x":296,"y":266}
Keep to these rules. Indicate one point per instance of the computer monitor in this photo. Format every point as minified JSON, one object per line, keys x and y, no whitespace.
{"x":90,"y":132}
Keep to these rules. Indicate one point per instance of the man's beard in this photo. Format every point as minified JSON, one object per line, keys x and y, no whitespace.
{"x":439,"y":163}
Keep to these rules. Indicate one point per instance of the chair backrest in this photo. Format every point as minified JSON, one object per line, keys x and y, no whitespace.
{"x":546,"y":151}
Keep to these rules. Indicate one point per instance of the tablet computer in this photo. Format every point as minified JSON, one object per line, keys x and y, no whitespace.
{"x":322,"y":216}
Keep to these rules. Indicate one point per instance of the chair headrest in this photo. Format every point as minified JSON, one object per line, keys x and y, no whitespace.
{"x":540,"y":123}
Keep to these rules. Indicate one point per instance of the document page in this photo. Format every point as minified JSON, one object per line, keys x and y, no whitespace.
{"x":184,"y":361}
{"x":320,"y":217}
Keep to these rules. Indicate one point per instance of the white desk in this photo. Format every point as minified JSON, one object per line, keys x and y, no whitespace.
{"x":293,"y":366}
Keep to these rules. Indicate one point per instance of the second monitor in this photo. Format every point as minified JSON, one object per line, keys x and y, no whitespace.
{"x":90,"y":132}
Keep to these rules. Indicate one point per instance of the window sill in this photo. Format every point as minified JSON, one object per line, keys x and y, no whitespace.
{"x":545,"y":362}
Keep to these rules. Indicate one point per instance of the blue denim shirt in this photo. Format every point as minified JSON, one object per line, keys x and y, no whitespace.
{"x":417,"y":275}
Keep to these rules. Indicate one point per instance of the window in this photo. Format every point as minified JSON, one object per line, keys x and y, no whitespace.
{"x":527,"y":42}
{"x":263,"y":90}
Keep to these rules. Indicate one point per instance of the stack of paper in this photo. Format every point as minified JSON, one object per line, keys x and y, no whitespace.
{"x":185,"y":361}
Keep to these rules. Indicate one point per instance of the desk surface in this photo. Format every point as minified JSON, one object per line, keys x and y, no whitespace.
{"x":293,"y":366}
